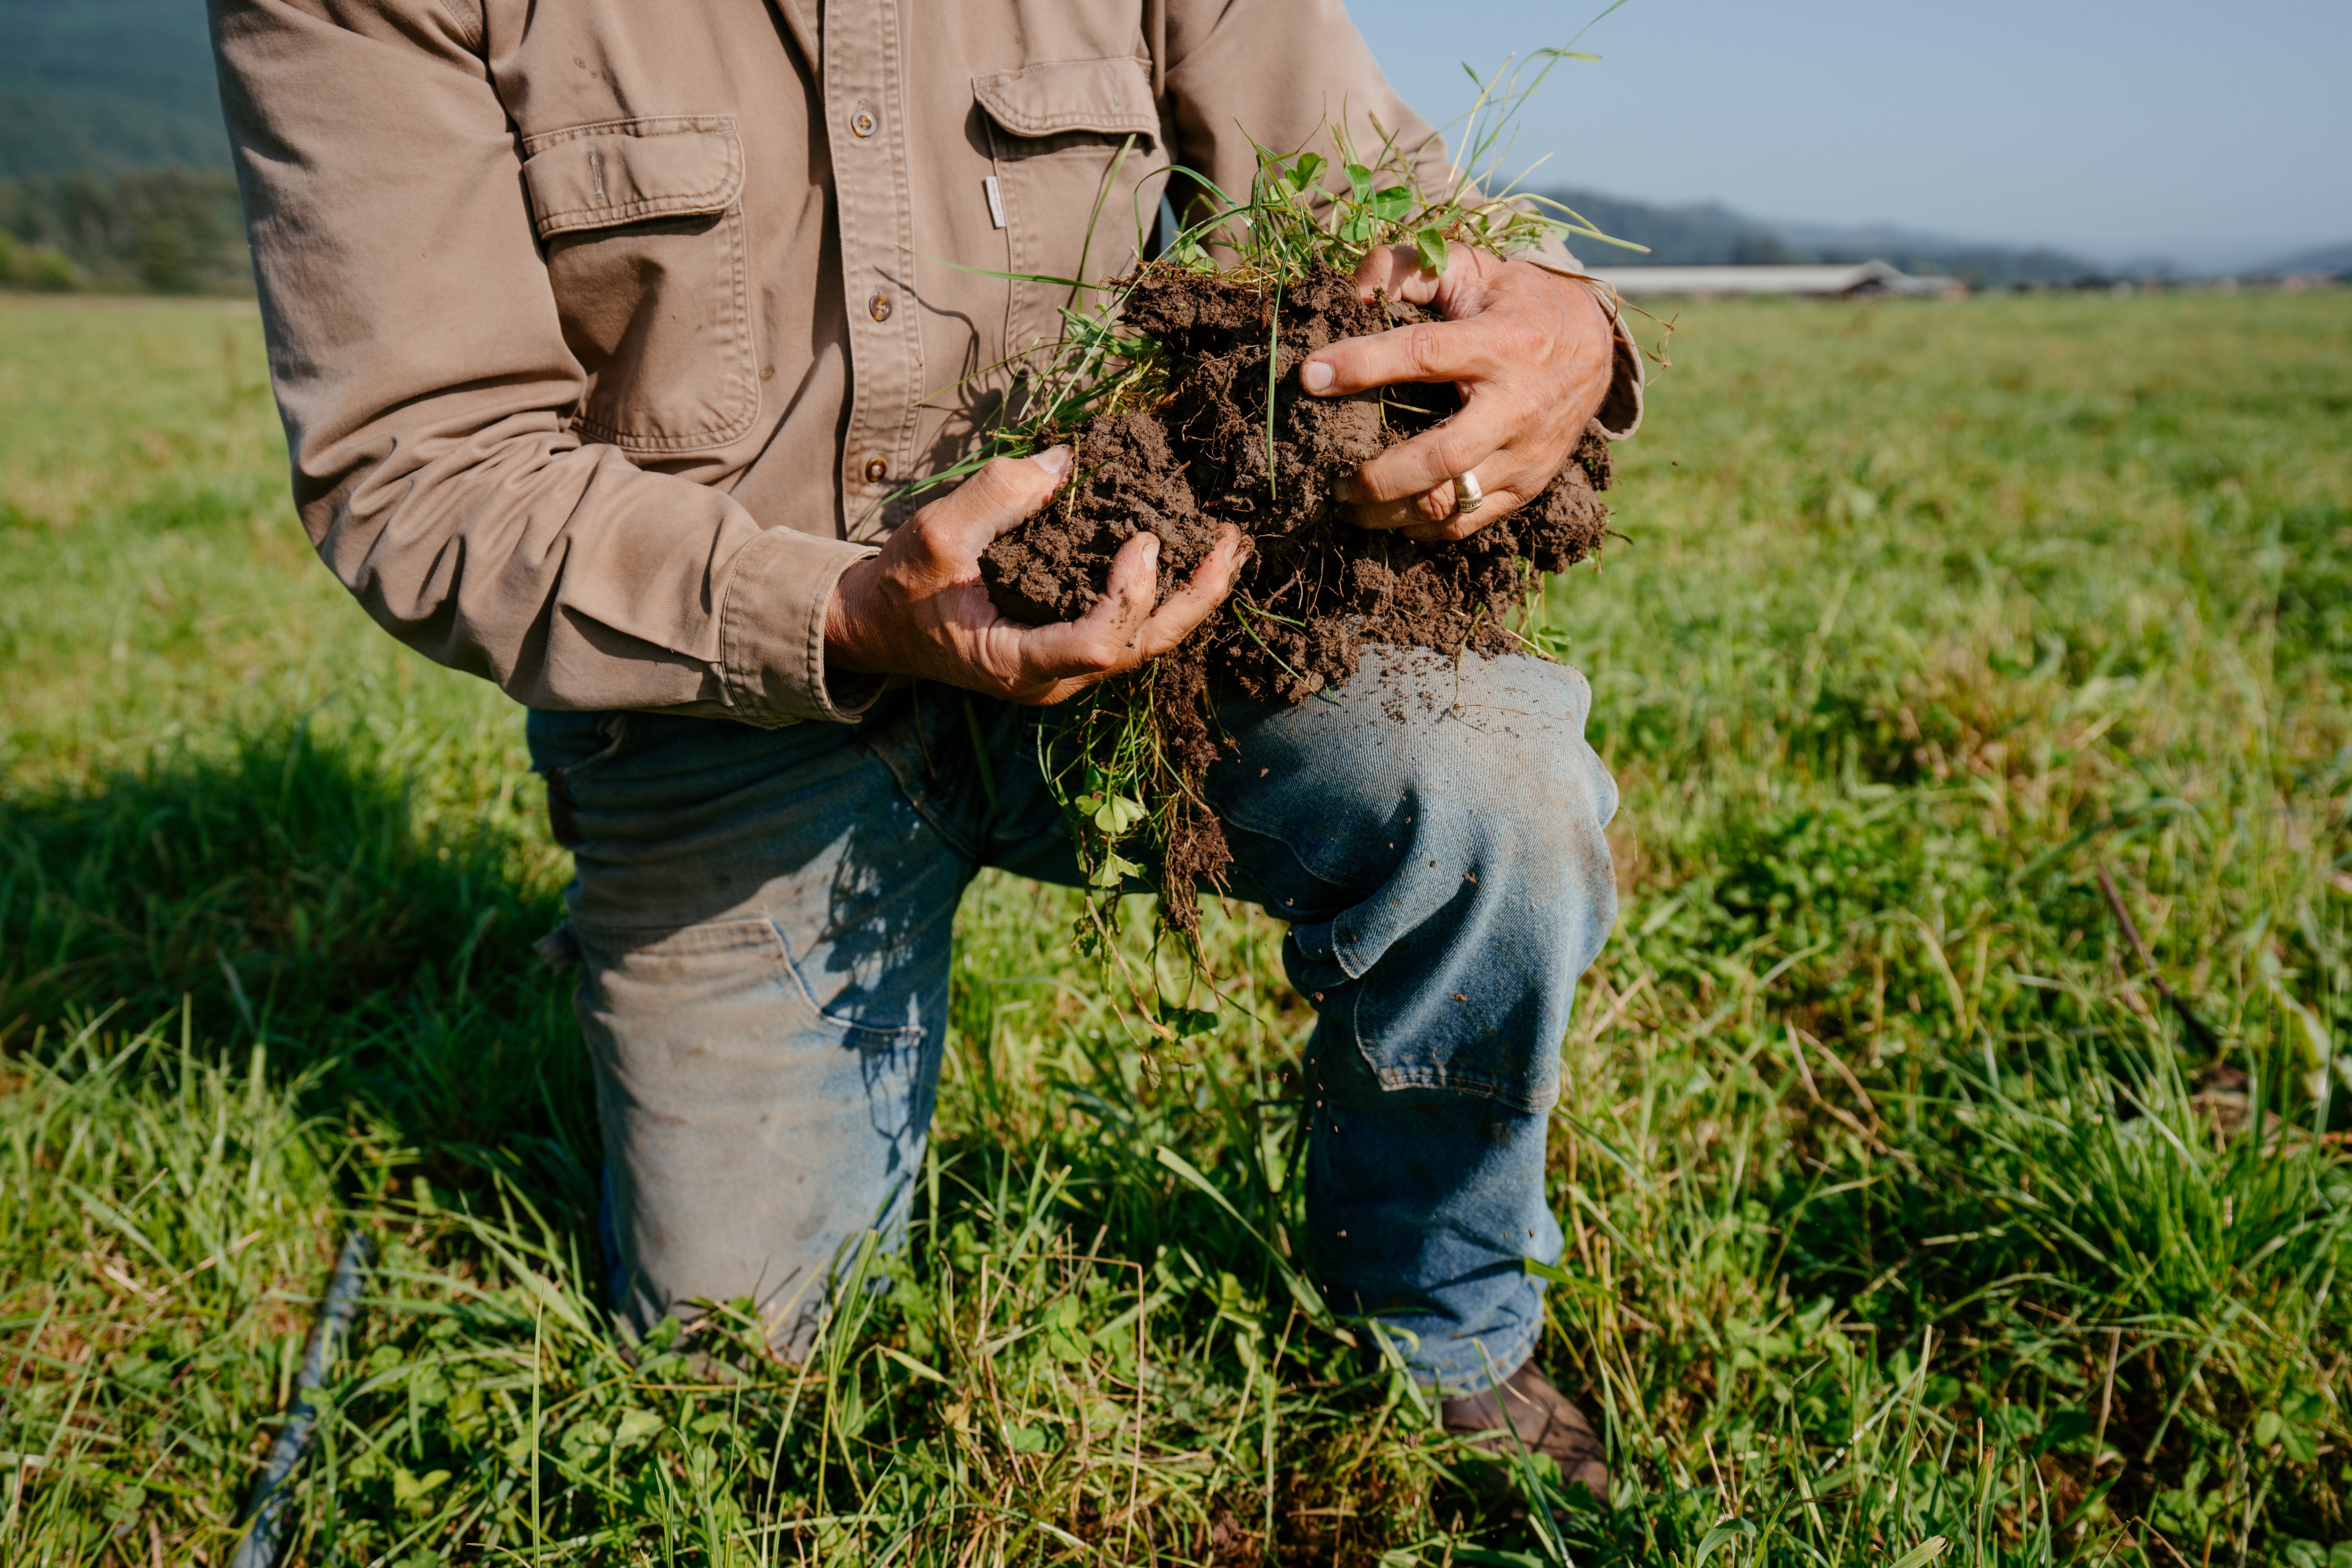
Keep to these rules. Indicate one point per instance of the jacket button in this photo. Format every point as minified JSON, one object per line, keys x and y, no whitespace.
{"x":863,"y":122}
{"x":877,"y":470}
{"x":878,"y":307}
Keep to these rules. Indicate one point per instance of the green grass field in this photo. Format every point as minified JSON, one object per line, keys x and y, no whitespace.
{"x":1906,"y":1217}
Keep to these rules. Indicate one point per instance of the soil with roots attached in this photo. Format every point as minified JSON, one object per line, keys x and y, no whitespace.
{"x":1317,"y":589}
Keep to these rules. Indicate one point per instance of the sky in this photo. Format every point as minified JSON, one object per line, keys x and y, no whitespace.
{"x":2216,"y":135}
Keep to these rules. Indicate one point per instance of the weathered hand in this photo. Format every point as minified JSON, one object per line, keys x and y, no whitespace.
{"x":920,"y":608}
{"x":1528,"y":350}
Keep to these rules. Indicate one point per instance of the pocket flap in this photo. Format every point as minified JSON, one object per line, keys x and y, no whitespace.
{"x":1112,"y":95}
{"x":593,"y":176}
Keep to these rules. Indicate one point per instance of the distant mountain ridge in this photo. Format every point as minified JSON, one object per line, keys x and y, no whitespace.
{"x":1709,"y":234}
{"x":2325,"y":260}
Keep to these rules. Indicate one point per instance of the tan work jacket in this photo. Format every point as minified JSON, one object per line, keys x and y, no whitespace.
{"x":603,"y":331}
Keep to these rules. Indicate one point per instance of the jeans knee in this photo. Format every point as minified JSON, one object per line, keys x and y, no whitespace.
{"x":1488,"y":835}
{"x":1445,"y":867}
{"x":1537,"y":833}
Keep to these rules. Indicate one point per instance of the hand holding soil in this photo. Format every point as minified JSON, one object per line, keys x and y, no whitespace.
{"x":1527,"y":352}
{"x":1208,"y":430}
{"x":920,"y":608}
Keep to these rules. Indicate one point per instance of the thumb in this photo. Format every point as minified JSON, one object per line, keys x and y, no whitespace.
{"x":1001,"y":496}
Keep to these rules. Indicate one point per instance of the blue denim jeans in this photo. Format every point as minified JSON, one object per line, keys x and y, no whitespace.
{"x":763,"y":916}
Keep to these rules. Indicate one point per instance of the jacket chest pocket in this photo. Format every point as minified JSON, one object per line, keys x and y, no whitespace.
{"x":1074,"y":142}
{"x":642,"y":222}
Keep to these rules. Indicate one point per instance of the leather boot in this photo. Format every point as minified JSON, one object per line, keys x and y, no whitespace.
{"x":1545,"y":1420}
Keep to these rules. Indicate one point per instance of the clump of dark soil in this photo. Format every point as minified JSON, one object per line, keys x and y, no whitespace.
{"x":1317,"y":589}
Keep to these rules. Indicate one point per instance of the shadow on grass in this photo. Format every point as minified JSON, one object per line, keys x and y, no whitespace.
{"x":285,"y":892}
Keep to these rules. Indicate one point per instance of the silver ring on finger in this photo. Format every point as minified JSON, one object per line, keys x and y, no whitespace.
{"x":1467,"y":497}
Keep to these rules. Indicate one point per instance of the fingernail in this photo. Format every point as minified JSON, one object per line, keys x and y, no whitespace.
{"x":1056,"y":461}
{"x":1316,"y":376}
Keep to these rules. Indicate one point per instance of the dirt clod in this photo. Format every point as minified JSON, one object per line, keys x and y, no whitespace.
{"x":1317,"y":589}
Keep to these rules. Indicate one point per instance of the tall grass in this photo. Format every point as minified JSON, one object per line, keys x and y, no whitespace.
{"x":1907,"y":1221}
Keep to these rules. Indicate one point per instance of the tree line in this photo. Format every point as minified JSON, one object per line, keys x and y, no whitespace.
{"x":164,"y":231}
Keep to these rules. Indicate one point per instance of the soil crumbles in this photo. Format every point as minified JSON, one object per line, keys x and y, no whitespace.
{"x":1316,"y":588}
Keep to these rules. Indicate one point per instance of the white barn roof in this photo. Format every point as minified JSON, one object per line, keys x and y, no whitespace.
{"x":1856,"y":278}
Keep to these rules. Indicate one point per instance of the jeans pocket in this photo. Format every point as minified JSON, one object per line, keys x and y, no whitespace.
{"x":562,"y":741}
{"x":563,"y":747}
{"x":741,"y":969}
{"x":716,"y":1020}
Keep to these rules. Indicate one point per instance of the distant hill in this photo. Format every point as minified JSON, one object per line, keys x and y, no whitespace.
{"x":2330,"y":261}
{"x":105,"y":87}
{"x":113,"y":164}
{"x":1712,"y":234}
{"x":1709,"y":235}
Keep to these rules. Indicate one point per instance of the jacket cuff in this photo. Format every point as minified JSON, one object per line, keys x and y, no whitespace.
{"x":772,"y":631}
{"x":1621,"y":406}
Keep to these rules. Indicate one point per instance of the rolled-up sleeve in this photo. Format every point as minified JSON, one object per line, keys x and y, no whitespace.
{"x":425,"y":386}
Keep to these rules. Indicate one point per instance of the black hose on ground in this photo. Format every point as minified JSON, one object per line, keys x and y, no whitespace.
{"x":261,"y":1546}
